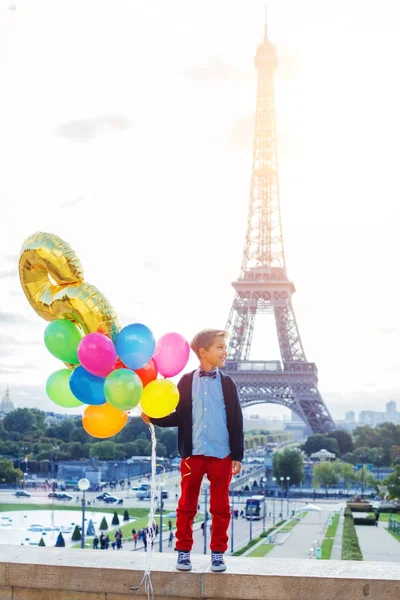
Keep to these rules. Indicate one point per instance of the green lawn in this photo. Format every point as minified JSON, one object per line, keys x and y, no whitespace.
{"x":134,"y":512}
{"x":261,"y":550}
{"x":326,"y":548}
{"x":302,"y":514}
{"x":385,"y":517}
{"x":140,"y":514}
{"x":327,"y":544}
{"x":331,"y":531}
{"x":138,"y":524}
{"x":289,"y":526}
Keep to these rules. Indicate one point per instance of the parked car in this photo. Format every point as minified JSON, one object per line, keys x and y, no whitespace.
{"x":103,"y":496}
{"x":62,"y":496}
{"x":52,"y":495}
{"x":164,"y":494}
{"x":110,"y":499}
{"x":22,"y":494}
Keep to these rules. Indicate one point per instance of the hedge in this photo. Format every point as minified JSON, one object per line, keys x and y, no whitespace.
{"x":364,"y":521}
{"x":350,"y":546}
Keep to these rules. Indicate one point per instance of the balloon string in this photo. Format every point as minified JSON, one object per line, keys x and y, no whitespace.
{"x":150,"y":530}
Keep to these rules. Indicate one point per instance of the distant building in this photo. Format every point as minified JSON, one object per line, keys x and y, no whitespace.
{"x":391,"y":409}
{"x":350,"y":416}
{"x":371,"y":418}
{"x":53,"y":418}
{"x":6,"y":404}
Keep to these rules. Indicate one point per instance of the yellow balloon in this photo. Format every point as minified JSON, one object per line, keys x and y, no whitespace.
{"x":159,"y":398}
{"x":52,"y":278}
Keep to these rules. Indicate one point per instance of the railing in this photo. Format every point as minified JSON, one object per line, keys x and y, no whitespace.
{"x":394,"y":526}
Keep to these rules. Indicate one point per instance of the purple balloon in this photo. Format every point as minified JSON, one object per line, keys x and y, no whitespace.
{"x":97,"y":354}
{"x":171,"y":354}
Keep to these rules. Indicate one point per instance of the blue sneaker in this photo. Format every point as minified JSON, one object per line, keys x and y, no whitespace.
{"x":217,"y":562}
{"x":183,"y":562}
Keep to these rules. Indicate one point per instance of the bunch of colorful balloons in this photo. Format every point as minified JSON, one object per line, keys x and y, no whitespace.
{"x":113,"y":378}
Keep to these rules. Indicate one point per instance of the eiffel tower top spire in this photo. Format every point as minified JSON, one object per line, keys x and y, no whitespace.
{"x":263,"y":250}
{"x":266,"y":25}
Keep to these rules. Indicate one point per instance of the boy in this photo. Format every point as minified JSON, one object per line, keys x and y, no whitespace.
{"x":210,"y":440}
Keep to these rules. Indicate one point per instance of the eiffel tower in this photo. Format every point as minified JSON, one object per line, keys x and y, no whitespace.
{"x":263,"y":285}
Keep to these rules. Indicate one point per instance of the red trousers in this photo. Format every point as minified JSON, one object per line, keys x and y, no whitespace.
{"x":219,"y":474}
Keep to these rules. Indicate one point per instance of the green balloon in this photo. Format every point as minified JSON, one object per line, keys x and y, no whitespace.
{"x":62,"y":339}
{"x":58,"y":390}
{"x":123,"y":389}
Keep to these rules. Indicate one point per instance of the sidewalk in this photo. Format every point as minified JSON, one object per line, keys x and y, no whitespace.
{"x":302,"y":538}
{"x":378,"y":544}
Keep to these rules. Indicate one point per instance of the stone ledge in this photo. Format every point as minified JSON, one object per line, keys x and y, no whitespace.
{"x":28,"y":573}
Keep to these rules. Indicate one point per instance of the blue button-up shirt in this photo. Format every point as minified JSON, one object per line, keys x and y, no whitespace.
{"x":210,"y":432}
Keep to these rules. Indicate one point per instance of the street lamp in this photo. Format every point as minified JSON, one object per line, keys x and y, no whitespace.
{"x":251,"y":481}
{"x":378,"y":463}
{"x":363,"y":456}
{"x":161,"y":513}
{"x":287,"y":493}
{"x":282,"y":479}
{"x":273,"y":502}
{"x":83,"y":485}
{"x":115,"y":475}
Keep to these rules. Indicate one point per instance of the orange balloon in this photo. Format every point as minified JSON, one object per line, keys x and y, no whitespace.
{"x":103,"y":421}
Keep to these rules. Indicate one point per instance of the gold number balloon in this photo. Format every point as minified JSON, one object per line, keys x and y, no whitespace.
{"x":52,"y":278}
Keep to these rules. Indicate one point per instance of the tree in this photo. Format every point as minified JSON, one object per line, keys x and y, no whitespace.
{"x":126,"y":515}
{"x":324,"y":475}
{"x":289,"y":463}
{"x":76,"y":450}
{"x":345,"y":472}
{"x":61,"y":431}
{"x":20,"y":420}
{"x":365,"y":478}
{"x":103,"y":524}
{"x":319,"y":441}
{"x":80,"y":435}
{"x":7,"y":472}
{"x":350,"y":457}
{"x":366,"y":436}
{"x":344,"y":440}
{"x":103,"y":450}
{"x":76,"y":535}
{"x":115,"y":519}
{"x":60,"y":543}
{"x":393,"y":483}
{"x":41,"y":543}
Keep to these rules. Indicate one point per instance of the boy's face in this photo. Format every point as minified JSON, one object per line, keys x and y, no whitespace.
{"x":216,"y":354}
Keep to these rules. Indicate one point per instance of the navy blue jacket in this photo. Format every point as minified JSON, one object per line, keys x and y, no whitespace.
{"x":182,"y":417}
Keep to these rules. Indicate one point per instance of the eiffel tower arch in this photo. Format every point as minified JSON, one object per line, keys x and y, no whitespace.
{"x":263,"y":285}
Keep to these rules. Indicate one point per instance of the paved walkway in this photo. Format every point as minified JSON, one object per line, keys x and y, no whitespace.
{"x":378,"y":544}
{"x":337,"y":544}
{"x":303,"y":536}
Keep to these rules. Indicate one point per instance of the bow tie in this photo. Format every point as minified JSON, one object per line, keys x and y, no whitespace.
{"x":212,"y":374}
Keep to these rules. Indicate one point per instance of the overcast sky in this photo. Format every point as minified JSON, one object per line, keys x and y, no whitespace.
{"x":126,"y":128}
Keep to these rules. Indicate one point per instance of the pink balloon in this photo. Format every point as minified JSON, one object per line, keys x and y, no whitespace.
{"x":97,"y":354}
{"x":171,"y":354}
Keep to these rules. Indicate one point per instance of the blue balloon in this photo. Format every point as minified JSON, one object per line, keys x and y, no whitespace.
{"x":135,"y":345}
{"x":87,"y":387}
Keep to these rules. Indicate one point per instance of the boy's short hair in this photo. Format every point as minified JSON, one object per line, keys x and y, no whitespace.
{"x":205,"y":339}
